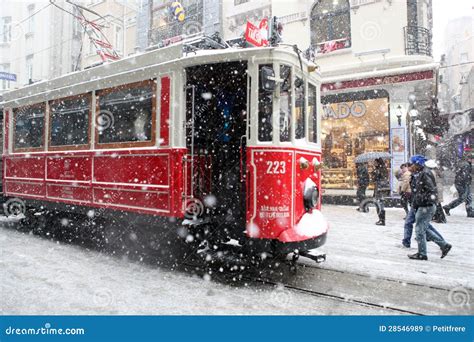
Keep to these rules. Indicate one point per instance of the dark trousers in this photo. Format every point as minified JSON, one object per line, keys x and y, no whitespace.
{"x":361,"y":193}
{"x":464,"y":195}
{"x":431,"y":233}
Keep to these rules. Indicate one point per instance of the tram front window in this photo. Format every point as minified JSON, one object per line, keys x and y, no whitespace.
{"x":265,"y":108}
{"x":285,"y":103}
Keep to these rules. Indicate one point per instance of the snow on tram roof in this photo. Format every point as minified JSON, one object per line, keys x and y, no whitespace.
{"x":136,"y":68}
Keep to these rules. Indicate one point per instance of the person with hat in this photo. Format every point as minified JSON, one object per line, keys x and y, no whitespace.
{"x":424,"y":198}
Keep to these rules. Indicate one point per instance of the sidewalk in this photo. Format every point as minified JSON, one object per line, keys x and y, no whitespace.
{"x":355,"y":244}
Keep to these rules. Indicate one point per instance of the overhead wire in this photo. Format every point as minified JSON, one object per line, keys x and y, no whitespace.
{"x":65,"y":40}
{"x":32,"y":15}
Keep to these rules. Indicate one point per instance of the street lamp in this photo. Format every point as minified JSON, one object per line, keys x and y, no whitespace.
{"x":414,"y":123}
{"x":399,"y":114}
{"x":413,"y":113}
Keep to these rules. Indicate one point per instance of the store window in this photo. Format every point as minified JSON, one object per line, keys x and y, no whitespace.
{"x":299,"y":109}
{"x":70,"y":121}
{"x":119,"y":39}
{"x":31,"y":19}
{"x":125,"y":113}
{"x":29,"y":68}
{"x":5,"y":29}
{"x":285,"y":103}
{"x":29,"y":127}
{"x":170,"y":20}
{"x":312,"y":113}
{"x":352,"y":124}
{"x":330,"y":25}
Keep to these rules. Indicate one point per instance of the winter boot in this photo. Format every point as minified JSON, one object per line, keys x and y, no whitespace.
{"x":445,"y":250}
{"x":470,"y":213}
{"x":381,"y":221}
{"x":417,"y":256}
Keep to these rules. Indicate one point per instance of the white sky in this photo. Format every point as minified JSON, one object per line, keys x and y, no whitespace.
{"x":443,"y":11}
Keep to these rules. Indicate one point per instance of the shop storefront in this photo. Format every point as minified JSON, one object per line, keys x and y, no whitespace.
{"x":370,"y":115}
{"x":352,"y":124}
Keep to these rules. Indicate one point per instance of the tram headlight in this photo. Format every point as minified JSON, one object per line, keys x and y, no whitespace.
{"x":310,"y":195}
{"x":316,"y":165}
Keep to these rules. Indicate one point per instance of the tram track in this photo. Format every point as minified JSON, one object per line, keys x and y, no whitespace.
{"x":342,"y":299}
{"x":389,"y":296}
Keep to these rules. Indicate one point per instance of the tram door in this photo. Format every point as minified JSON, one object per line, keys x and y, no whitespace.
{"x":216,"y":114}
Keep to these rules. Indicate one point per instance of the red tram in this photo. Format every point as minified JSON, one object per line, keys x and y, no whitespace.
{"x":226,"y":142}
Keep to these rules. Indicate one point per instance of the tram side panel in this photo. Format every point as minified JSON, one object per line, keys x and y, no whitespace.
{"x":142,"y":181}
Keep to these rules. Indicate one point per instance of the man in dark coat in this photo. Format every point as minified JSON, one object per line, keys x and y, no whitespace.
{"x":382,"y":188}
{"x":424,"y":197}
{"x":362,"y":182}
{"x":462,"y":183}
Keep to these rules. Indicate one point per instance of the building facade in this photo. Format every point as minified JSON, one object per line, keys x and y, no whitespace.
{"x":38,"y":41}
{"x":379,"y":76}
{"x":456,"y":90}
{"x":118,"y":26}
{"x":375,"y":56}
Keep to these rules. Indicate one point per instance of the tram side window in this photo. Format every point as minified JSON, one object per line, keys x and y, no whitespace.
{"x":29,"y":127}
{"x":299,"y":109}
{"x":285,"y":103}
{"x":126,"y":114}
{"x":265,"y":109}
{"x":70,"y":121}
{"x":313,"y":113}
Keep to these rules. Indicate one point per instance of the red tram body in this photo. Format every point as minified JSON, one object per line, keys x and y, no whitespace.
{"x":226,"y":138}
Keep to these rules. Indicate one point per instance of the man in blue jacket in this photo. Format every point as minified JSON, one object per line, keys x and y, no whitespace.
{"x":424,"y":197}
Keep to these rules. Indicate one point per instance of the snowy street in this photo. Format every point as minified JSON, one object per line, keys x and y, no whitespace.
{"x":367,"y":272}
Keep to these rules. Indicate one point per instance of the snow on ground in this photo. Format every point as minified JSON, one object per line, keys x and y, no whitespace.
{"x":40,"y":276}
{"x":356,"y":244}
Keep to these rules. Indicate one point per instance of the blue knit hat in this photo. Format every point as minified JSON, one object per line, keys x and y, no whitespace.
{"x":418,"y":159}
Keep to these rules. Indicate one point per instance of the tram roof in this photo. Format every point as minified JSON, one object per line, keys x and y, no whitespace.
{"x":137,"y":67}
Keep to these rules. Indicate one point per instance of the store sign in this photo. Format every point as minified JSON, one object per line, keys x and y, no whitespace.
{"x":378,"y":81}
{"x":343,"y":110}
{"x":257,"y":36}
{"x":7,"y":76}
{"x":357,"y":3}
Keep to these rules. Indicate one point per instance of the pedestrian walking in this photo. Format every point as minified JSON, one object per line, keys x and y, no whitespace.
{"x":462,"y":183}
{"x":439,"y":216}
{"x":410,"y":218}
{"x":362,"y":182}
{"x":382,"y":188}
{"x":424,"y":197}
{"x":404,"y":190}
